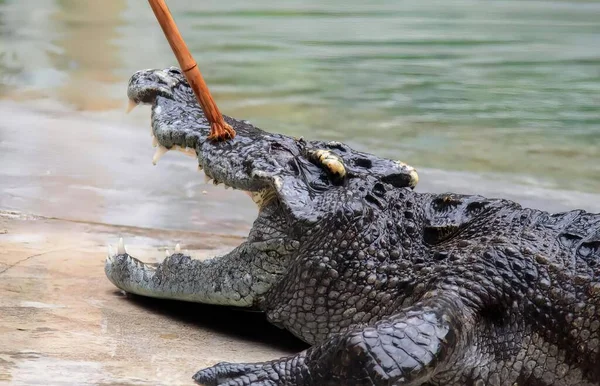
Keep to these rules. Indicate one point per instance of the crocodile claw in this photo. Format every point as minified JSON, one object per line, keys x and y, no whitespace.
{"x":225,"y":374}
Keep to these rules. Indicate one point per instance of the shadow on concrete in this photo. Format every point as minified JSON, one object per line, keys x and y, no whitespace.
{"x":242,"y":324}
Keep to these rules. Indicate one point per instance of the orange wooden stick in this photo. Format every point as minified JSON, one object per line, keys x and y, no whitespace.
{"x":219,"y":129}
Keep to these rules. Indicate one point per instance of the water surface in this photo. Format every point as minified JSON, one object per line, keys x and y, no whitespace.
{"x":505,"y":93}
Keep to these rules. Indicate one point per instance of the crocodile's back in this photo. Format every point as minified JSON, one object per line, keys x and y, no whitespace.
{"x":537,"y":276}
{"x":578,"y":233}
{"x":561,"y":296}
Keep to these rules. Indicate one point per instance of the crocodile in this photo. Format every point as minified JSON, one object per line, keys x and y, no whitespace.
{"x":387,"y":285}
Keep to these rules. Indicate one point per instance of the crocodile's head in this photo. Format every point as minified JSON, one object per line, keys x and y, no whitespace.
{"x":288,"y":178}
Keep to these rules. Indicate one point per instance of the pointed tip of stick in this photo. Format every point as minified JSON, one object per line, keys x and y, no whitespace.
{"x":221,"y":132}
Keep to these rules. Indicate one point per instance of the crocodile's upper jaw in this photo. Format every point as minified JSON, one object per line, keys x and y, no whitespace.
{"x":266,"y":165}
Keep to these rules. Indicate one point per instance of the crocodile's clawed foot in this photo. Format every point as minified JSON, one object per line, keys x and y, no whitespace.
{"x":238,"y":374}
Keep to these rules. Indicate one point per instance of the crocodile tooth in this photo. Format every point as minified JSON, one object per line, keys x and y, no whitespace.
{"x":121,"y":247}
{"x":167,"y":254}
{"x":130,"y":106}
{"x":189,"y":152}
{"x":154,"y":141}
{"x":207,"y":179}
{"x":177,"y":248}
{"x":160,"y":151}
{"x":259,"y":174}
{"x":185,"y":150}
{"x":111,"y":253}
{"x":199,"y":167}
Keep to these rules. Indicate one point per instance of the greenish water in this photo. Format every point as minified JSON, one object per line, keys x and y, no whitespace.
{"x":504,"y":87}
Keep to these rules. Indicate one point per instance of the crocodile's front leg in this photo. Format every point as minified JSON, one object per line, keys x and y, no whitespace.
{"x":406,"y":349}
{"x":227,"y":280}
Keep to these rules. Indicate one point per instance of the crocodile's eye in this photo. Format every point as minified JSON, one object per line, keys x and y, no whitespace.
{"x":332,"y":163}
{"x":412,"y":172}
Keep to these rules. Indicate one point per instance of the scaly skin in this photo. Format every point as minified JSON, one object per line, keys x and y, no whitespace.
{"x":389,"y":286}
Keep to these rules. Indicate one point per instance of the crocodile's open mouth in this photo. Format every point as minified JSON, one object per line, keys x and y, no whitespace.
{"x":294,"y":182}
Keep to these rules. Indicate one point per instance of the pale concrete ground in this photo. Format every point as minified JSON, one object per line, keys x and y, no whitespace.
{"x":63,"y":323}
